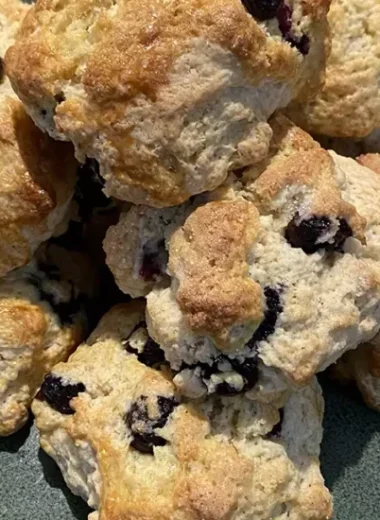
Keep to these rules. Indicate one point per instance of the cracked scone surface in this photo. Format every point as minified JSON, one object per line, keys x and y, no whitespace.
{"x":167,"y":96}
{"x":349,"y":103}
{"x":37,"y":174}
{"x":127,"y":444}
{"x":279,"y":275}
{"x":43,"y":319}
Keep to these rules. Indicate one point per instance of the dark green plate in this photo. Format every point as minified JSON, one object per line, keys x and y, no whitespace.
{"x":31,"y":486}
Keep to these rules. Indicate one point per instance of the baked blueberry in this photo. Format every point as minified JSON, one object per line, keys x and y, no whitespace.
{"x":225,"y":389}
{"x":268,"y":325}
{"x":307,"y":234}
{"x":143,"y":426}
{"x":60,"y":97}
{"x":150,"y":268}
{"x":342,"y":234}
{"x":151,"y":354}
{"x":248,"y":369}
{"x":284,"y":17}
{"x":59,"y":394}
{"x":262,"y":9}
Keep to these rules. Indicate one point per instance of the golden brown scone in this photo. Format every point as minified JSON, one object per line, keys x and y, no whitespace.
{"x":279,"y":277}
{"x":349,"y":103}
{"x":128,"y":446}
{"x":37,"y":174}
{"x":167,"y":96}
{"x":43,"y":318}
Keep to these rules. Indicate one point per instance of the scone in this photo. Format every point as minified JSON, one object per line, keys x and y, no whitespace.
{"x":43,"y":318}
{"x":363,"y":364}
{"x":128,"y":445}
{"x":37,"y":174}
{"x":278,"y":276}
{"x":167,"y":96}
{"x":349,"y":103}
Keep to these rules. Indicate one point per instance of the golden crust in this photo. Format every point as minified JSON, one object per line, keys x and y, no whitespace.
{"x":349,"y":103}
{"x":143,"y":39}
{"x":217,"y":461}
{"x":37,"y":175}
{"x":297,"y":160}
{"x":128,"y":60}
{"x":208,"y":256}
{"x":37,"y":178}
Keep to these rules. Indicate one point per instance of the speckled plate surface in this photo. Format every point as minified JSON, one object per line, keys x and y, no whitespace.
{"x":31,"y":487}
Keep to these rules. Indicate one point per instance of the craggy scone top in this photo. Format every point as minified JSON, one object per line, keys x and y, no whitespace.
{"x":349,"y":103}
{"x":167,"y":96}
{"x":277,"y":272}
{"x":128,"y":444}
{"x":37,"y":174}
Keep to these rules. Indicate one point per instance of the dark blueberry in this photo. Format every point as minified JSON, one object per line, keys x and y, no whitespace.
{"x":248,"y":369}
{"x":284,"y":17}
{"x":306,"y":234}
{"x":142,"y":426}
{"x":276,"y":430}
{"x":268,"y":325}
{"x":166,"y":406}
{"x":208,"y":370}
{"x":144,"y":443}
{"x":60,"y":97}
{"x":226,"y":389}
{"x":58,"y":394}
{"x":150,"y":268}
{"x":342,"y":234}
{"x":2,"y":70}
{"x":262,"y":9}
{"x":89,"y":189}
{"x":302,"y":43}
{"x":152,"y":355}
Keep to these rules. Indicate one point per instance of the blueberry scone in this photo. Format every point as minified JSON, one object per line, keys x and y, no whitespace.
{"x":362,"y":365}
{"x":278,"y":276}
{"x":126,"y":442}
{"x":349,"y":103}
{"x":37,"y":174}
{"x":167,"y":96}
{"x":43,"y":318}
